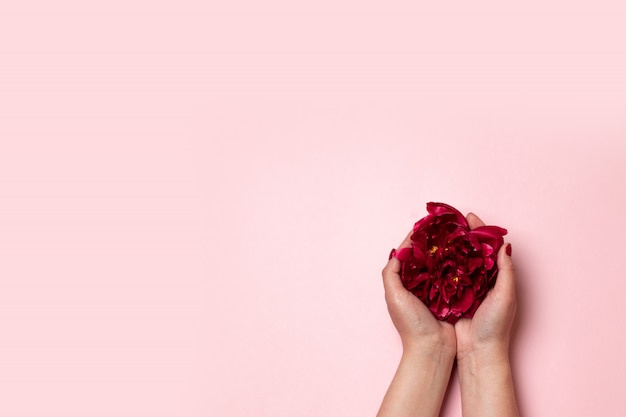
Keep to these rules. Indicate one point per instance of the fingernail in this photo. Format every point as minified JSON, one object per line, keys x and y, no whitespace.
{"x":393,"y":252}
{"x":508,"y":249}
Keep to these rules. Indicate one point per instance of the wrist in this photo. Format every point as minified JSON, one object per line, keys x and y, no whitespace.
{"x":486,"y":382}
{"x":433,"y":349}
{"x":420,"y":383}
{"x":480,"y":356}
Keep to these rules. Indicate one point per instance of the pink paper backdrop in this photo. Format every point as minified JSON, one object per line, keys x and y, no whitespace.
{"x":197,"y":198}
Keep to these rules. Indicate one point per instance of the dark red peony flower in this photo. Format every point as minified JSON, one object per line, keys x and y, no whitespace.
{"x":448,"y":266}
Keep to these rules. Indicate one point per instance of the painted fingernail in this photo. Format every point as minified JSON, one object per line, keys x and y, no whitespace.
{"x":508,"y":249}
{"x":393,"y":252}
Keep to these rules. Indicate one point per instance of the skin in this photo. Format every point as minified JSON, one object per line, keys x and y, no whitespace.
{"x":480,"y":345}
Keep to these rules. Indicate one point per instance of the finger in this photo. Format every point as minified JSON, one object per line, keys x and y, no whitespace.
{"x":391,"y":272}
{"x":391,"y":276}
{"x":474,"y":221}
{"x":505,"y":284}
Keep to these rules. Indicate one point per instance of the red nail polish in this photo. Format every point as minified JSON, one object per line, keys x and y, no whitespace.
{"x":393,"y":252}
{"x":508,"y":249}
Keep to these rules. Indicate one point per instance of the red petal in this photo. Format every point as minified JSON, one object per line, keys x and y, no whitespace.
{"x":404,"y":254}
{"x":440,"y":309}
{"x":418,"y":255}
{"x":487,"y":249}
{"x":424,"y":276}
{"x":466,"y":300}
{"x":447,"y":290}
{"x":438,"y":209}
{"x":489,"y":232}
{"x":474,"y":263}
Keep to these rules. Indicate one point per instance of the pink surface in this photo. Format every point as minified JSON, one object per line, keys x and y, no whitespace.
{"x":196,"y":200}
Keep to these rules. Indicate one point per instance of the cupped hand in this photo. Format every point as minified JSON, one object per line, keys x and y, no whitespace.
{"x":417,"y":326}
{"x":491,"y":325}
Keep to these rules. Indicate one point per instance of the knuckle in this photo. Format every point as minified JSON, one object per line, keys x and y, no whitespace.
{"x":386,"y":270}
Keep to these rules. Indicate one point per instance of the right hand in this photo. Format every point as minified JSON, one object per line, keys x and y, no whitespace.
{"x":418,"y":328}
{"x":489,"y":329}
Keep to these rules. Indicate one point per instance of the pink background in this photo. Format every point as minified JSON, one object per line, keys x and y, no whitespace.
{"x":197,"y":198}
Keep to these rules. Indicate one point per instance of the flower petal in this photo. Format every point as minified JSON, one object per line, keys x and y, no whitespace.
{"x":487,"y":249}
{"x":404,"y":254}
{"x":465,"y":301}
{"x":438,"y":209}
{"x":494,"y":231}
{"x":474,"y":263}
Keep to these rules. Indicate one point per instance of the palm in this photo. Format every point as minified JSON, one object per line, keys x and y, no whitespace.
{"x":480,"y":328}
{"x":413,"y":319}
{"x":445,"y":331}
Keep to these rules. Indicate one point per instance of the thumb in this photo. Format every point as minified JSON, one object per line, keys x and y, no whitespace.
{"x":391,"y":272}
{"x":505,"y":284}
{"x":391,"y":276}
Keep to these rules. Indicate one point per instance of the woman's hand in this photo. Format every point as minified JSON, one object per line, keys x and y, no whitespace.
{"x":418,"y":328}
{"x":490,"y":327}
{"x":483,"y":346}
